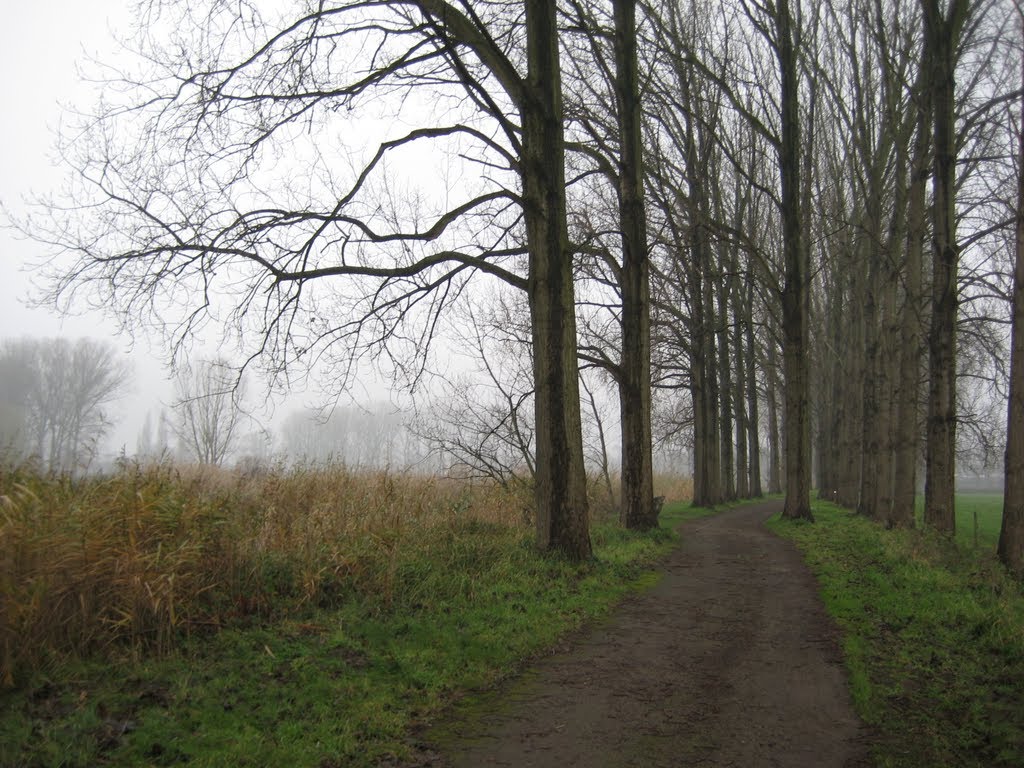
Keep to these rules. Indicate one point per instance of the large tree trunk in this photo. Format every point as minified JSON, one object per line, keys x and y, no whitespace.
{"x":942,"y":35}
{"x":753,"y":417}
{"x":830,"y":457}
{"x":794,"y":292}
{"x":908,"y":390}
{"x":725,"y":392}
{"x":561,"y":484}
{"x":869,"y":394}
{"x":1011,"y":536}
{"x":713,"y":451}
{"x":739,"y":396}
{"x":774,"y":438}
{"x":638,"y":510}
{"x":700,"y":484}
{"x":698,"y":376}
{"x":851,"y":437}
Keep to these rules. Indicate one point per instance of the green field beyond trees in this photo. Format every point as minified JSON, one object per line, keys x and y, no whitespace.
{"x":933,"y":634}
{"x":978,"y":517}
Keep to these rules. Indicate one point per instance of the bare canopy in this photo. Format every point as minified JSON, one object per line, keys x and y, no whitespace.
{"x":231,"y":180}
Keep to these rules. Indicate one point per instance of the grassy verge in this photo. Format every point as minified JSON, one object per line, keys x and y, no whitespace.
{"x":933,"y":639}
{"x":326,"y":674}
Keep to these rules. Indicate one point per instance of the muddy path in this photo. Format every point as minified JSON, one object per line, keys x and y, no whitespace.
{"x":730,"y":660}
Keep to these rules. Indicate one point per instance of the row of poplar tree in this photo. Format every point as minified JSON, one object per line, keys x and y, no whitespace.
{"x":769,"y":206}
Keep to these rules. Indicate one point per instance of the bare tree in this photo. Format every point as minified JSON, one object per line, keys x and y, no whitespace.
{"x":1011,"y":536}
{"x":209,"y":409}
{"x":213,"y":188}
{"x":480,"y":424}
{"x":56,"y":397}
{"x":943,"y":29}
{"x":638,"y":509}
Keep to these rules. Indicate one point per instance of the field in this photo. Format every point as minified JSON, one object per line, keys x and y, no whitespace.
{"x":933,"y":634}
{"x":307,"y":616}
{"x":978,"y":517}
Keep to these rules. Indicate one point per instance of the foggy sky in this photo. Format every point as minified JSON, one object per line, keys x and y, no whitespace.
{"x":40,"y":44}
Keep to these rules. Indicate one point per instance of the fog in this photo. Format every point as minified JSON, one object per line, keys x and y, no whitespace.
{"x":40,"y":47}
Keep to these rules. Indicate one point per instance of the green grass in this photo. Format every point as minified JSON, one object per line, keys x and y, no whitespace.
{"x":978,"y":519}
{"x":676,"y":512}
{"x":330,"y":688}
{"x":933,"y":638}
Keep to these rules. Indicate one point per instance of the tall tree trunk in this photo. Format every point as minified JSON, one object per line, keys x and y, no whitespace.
{"x":908,"y":391}
{"x":700,"y":484}
{"x":698,"y":387}
{"x":851,"y":436}
{"x":753,"y":417}
{"x":739,"y":394}
{"x":635,"y":370}
{"x":1011,"y":536}
{"x":560,"y":484}
{"x":725,"y":391}
{"x":870,"y":395}
{"x":703,"y":375}
{"x":794,"y":291}
{"x":713,"y":451}
{"x":888,"y":371}
{"x":830,"y":457}
{"x":942,"y":36}
{"x":774,"y":438}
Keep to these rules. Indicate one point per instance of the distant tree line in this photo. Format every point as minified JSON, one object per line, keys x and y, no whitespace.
{"x":56,"y":399}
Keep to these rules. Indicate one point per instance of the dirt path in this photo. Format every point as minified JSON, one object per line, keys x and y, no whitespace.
{"x":729,"y":661}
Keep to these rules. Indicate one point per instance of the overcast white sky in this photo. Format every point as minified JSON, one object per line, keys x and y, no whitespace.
{"x":40,"y":44}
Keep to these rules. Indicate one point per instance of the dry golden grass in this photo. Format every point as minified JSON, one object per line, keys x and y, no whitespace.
{"x":673,"y":487}
{"x":604,"y":507}
{"x":135,"y":560}
{"x":138,"y":559}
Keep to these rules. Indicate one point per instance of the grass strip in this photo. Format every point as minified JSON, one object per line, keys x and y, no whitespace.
{"x":464,"y":609}
{"x":933,"y":639}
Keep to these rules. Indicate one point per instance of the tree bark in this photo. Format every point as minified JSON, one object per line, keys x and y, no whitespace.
{"x":638,"y":510}
{"x":713,"y":447}
{"x":725,"y":392}
{"x":774,"y":439}
{"x":869,"y":383}
{"x":906,"y":438}
{"x":942,"y":35}
{"x":794,"y":291}
{"x":753,"y":417}
{"x":739,"y":396}
{"x":561,"y":486}
{"x":1011,"y":535}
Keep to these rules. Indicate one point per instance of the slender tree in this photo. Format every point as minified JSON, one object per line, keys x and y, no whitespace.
{"x":209,"y":403}
{"x":942,"y":39}
{"x":1011,"y":535}
{"x":638,"y":511}
{"x":797,"y":275}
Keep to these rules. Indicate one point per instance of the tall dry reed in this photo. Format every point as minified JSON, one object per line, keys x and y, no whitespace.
{"x":140,"y":558}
